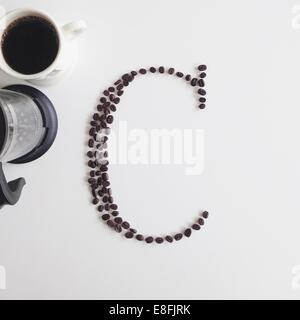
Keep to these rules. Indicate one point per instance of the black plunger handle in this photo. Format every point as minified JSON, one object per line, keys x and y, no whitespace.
{"x":10,"y":192}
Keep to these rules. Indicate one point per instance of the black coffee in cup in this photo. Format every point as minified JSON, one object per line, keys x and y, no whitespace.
{"x":30,"y":44}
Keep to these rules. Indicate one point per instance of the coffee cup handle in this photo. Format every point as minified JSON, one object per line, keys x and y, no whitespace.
{"x":73,"y":29}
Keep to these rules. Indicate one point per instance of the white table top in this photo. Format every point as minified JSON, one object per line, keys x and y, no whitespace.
{"x":53,"y":245}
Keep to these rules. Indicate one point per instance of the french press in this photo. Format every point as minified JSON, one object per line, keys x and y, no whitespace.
{"x":28,"y":127}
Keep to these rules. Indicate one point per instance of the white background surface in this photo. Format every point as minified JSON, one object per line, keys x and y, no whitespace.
{"x":52,"y":243}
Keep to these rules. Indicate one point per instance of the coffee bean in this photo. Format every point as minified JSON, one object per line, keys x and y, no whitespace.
{"x":125,"y":225}
{"x":92,"y":131}
{"x":120,"y":87}
{"x":202,"y":75}
{"x":114,"y":207}
{"x":100,"y":107}
{"x":194,"y":82}
{"x":100,"y":208}
{"x":134,"y":73}
{"x":201,"y":222}
{"x":202,"y":67}
{"x":171,"y":71}
{"x":103,"y":100}
{"x":113,"y":108}
{"x":129,"y":235}
{"x":149,"y":239}
{"x":112,"y":97}
{"x":118,"y":82}
{"x":105,"y":217}
{"x":105,"y":199}
{"x":91,"y":164}
{"x":120,"y":93}
{"x":142,"y":71}
{"x":202,"y":99}
{"x":161,"y":70}
{"x":106,"y":93}
{"x":202,"y":106}
{"x":202,"y":92}
{"x":104,"y":176}
{"x":188,"y":77}
{"x":92,"y":174}
{"x":152,"y":70}
{"x":159,"y":240}
{"x":133,"y":230}
{"x":125,"y":76}
{"x":118,"y":228}
{"x":201,"y":83}
{"x":205,"y":214}
{"x":169,"y":239}
{"x":115,"y":213}
{"x":110,"y":119}
{"x":103,"y":169}
{"x":90,"y":154}
{"x":179,"y":74}
{"x":188,"y":233}
{"x":140,"y":237}
{"x":117,"y":100}
{"x":106,"y":207}
{"x":196,"y":226}
{"x":178,"y":236}
{"x":118,"y":220}
{"x":95,"y":201}
{"x":110,"y":224}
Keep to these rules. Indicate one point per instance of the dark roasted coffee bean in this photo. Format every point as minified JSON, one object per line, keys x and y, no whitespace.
{"x":93,"y":123}
{"x":103,"y":169}
{"x":96,"y":116}
{"x":114,"y":207}
{"x":142,"y":71}
{"x":92,"y":131}
{"x":194,"y":82}
{"x":91,"y":164}
{"x":159,"y":240}
{"x":112,"y":97}
{"x":118,"y":220}
{"x":91,"y":181}
{"x":118,"y":228}
{"x":201,"y":83}
{"x":111,"y":89}
{"x":117,"y":82}
{"x":106,"y":184}
{"x":134,"y":73}
{"x":92,"y":174}
{"x":133,"y":230}
{"x":149,"y":239}
{"x":98,"y":173}
{"x":125,"y":83}
{"x":100,"y":208}
{"x":125,"y":76}
{"x":115,"y":213}
{"x":106,"y":207}
{"x":129,"y":235}
{"x":152,"y":70}
{"x":202,"y":106}
{"x":102,"y":99}
{"x":188,"y":77}
{"x":140,"y":237}
{"x":105,"y":154}
{"x":202,"y":67}
{"x":161,"y":70}
{"x":100,"y":107}
{"x":205,"y":214}
{"x":120,"y":93}
{"x":110,"y":119}
{"x":100,"y":193}
{"x":179,"y":74}
{"x":110,"y":224}
{"x":110,"y":199}
{"x":201,"y":221}
{"x":106,"y":93}
{"x":202,"y":75}
{"x":125,"y":225}
{"x":202,"y":99}
{"x":105,"y":217}
{"x":105,"y":176}
{"x":196,"y":226}
{"x":120,"y":87}
{"x":117,"y":100}
{"x":90,"y":154}
{"x":105,"y":199}
{"x":202,"y":92}
{"x":171,"y":70}
{"x":178,"y":236}
{"x":188,"y":232}
{"x":113,"y":108}
{"x":169,"y":239}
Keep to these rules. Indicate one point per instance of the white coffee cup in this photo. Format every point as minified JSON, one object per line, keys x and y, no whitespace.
{"x":66,"y":51}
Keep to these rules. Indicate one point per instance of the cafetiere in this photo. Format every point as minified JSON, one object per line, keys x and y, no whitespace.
{"x":28,"y":128}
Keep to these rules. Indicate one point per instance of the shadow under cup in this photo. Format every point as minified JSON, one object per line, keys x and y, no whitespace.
{"x":30,"y":44}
